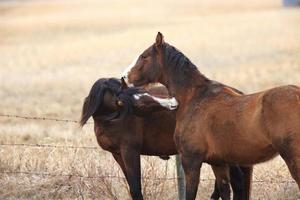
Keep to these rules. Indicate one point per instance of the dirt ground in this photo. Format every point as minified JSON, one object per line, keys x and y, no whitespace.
{"x":51,"y":52}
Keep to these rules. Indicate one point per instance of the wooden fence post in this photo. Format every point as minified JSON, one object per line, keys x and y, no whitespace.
{"x":181,"y":179}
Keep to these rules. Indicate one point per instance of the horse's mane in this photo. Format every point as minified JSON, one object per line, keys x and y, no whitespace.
{"x":126,"y":96}
{"x":183,"y":69}
{"x":181,"y":66}
{"x":93,"y":103}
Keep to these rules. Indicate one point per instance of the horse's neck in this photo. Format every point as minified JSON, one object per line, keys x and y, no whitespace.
{"x":183,"y":86}
{"x":103,"y":114}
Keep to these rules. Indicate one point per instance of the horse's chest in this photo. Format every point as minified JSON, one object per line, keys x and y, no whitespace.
{"x":188,"y":134}
{"x":107,"y":142}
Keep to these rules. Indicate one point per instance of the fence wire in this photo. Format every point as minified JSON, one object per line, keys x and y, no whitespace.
{"x":41,"y":118}
{"x":90,"y":177}
{"x":79,"y":176}
{"x":121,"y":177}
{"x":105,"y":176}
{"x":50,"y":146}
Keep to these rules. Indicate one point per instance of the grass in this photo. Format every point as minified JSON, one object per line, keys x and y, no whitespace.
{"x":51,"y":52}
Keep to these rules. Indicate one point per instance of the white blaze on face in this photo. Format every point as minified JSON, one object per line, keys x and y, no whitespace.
{"x":127,"y":70}
{"x":169,"y":103}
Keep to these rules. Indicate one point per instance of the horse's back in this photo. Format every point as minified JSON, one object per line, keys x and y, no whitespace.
{"x":283,"y":95}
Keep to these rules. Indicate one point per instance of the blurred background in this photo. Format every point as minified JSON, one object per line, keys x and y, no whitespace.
{"x":51,"y":52}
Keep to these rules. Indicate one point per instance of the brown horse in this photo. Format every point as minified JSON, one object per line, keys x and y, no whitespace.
{"x":217,"y":125}
{"x":129,"y":123}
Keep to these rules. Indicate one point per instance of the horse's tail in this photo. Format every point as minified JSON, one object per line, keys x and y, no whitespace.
{"x":92,"y":102}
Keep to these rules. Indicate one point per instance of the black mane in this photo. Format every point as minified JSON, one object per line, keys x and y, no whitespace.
{"x":183,"y":69}
{"x":128,"y":100}
{"x":93,"y":103}
{"x":181,"y":66}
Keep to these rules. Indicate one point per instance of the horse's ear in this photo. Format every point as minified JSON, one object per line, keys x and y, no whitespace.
{"x":159,"y":39}
{"x":123,"y":84}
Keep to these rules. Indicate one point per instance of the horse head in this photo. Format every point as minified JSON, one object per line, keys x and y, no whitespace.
{"x":102,"y":99}
{"x":148,"y":67}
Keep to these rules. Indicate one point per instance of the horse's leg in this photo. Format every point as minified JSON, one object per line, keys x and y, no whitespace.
{"x":121,"y":163}
{"x":132,"y":163}
{"x":223,"y":181}
{"x":240,"y":180}
{"x":291,"y":155}
{"x":237,"y":182}
{"x":191,"y":166}
{"x":247,"y":176}
{"x":294,"y":168}
{"x":215,"y":195}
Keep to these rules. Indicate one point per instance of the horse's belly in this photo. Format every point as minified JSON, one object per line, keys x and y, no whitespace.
{"x":241,"y":140}
{"x":160,"y":148}
{"x":257,"y":156}
{"x":243,"y":154}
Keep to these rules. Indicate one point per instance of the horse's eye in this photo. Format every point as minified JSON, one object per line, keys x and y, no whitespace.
{"x":143,"y":56}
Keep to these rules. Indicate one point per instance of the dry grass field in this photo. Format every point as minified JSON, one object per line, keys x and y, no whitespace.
{"x":51,"y":52}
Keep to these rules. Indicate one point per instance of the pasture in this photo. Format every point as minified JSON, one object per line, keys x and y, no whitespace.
{"x":51,"y":52}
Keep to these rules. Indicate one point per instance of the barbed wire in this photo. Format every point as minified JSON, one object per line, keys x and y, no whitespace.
{"x":49,"y":146}
{"x":104,"y":176}
{"x":87,"y":147}
{"x":44,"y":119}
{"x":88,"y":177}
{"x":121,"y":177}
{"x":41,"y":118}
{"x":62,"y":175}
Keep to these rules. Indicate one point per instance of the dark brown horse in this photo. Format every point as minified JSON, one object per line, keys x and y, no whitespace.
{"x":217,"y":125}
{"x":129,"y":123}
